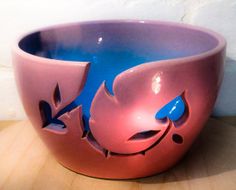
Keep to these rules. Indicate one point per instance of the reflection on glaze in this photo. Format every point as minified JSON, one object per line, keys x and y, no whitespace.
{"x":173,"y":110}
{"x":156,"y":83}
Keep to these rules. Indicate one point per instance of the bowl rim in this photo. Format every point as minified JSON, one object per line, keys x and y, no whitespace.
{"x":221,"y":45}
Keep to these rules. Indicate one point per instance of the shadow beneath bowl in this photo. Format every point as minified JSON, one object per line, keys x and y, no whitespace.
{"x":214,"y":152}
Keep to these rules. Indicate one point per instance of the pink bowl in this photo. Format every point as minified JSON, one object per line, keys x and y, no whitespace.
{"x":119,"y":99}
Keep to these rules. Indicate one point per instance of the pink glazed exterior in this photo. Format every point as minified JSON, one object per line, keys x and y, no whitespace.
{"x":199,"y":77}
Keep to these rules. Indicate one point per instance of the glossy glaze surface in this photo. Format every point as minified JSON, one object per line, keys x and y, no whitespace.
{"x":109,"y":96}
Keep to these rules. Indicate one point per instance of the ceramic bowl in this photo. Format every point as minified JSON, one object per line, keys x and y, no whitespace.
{"x":119,"y":99}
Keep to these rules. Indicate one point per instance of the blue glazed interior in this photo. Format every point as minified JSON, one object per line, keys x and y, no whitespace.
{"x":105,"y":66}
{"x":174,"y":110}
{"x":113,"y":48}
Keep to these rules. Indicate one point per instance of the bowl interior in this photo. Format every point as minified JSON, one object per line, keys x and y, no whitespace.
{"x":112,"y":47}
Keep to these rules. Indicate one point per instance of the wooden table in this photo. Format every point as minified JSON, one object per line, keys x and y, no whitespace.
{"x":25,"y":163}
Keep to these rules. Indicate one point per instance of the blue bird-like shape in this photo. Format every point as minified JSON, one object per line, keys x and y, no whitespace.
{"x":174,"y":110}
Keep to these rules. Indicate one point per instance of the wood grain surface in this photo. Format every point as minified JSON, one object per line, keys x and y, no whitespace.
{"x":25,"y":163}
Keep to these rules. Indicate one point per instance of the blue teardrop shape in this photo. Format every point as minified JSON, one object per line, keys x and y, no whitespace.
{"x":173,"y":110}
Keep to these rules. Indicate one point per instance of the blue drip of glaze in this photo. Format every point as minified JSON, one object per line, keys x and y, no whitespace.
{"x":174,"y":110}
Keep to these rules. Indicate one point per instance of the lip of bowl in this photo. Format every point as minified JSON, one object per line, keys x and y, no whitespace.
{"x":221,"y":41}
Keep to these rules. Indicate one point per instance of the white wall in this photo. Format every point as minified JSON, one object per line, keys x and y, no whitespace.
{"x":18,"y":16}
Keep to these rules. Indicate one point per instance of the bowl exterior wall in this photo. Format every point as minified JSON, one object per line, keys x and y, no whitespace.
{"x":198,"y":79}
